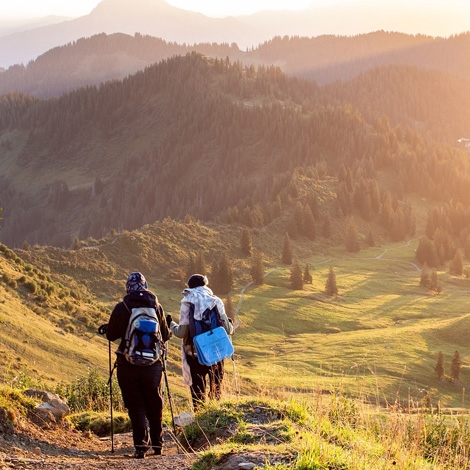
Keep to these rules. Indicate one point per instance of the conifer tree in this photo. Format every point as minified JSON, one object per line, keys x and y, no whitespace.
{"x":76,"y":244}
{"x":225,"y":276}
{"x":455,"y":367}
{"x":456,"y":264}
{"x":439,"y":369}
{"x":344,"y":199}
{"x":425,"y":277}
{"x":299,"y":217}
{"x":229,"y":310}
{"x":307,"y":276}
{"x":296,"y":280}
{"x":309,"y":223}
{"x":434,"y":283}
{"x":312,"y":201}
{"x":466,"y":247}
{"x":352,"y":237}
{"x":370,"y":239}
{"x":215,"y":277}
{"x":200,"y":263}
{"x":287,"y":250}
{"x":366,"y":209}
{"x":191,"y":266}
{"x":426,"y":252}
{"x":330,"y":286}
{"x":326,"y":229}
{"x":257,"y":270}
{"x":246,"y":242}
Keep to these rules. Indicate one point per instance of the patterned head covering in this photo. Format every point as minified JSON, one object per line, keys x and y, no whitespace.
{"x":135,"y":282}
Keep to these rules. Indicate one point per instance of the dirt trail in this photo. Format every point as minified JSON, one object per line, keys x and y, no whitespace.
{"x":60,"y":448}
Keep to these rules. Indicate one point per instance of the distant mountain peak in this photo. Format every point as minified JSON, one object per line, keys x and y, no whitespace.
{"x":149,"y":6}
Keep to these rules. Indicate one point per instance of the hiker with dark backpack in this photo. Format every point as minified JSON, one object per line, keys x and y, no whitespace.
{"x":139,"y":322}
{"x":199,"y":308}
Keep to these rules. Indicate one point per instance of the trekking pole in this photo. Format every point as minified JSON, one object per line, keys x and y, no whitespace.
{"x":235,"y":375}
{"x":237,"y":391}
{"x":102,"y":331}
{"x":111,"y":397}
{"x":165,"y":355}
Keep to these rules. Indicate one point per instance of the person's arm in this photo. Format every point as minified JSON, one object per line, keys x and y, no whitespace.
{"x":117,"y":323}
{"x":166,"y":334}
{"x":182,"y":329}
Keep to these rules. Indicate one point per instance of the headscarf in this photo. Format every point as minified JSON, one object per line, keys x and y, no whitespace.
{"x":136,"y":282}
{"x":201,"y":297}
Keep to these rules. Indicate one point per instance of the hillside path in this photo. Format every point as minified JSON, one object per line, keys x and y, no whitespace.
{"x":60,"y":449}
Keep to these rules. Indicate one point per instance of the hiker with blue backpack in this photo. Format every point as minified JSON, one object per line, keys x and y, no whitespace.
{"x":139,"y":322}
{"x":202,"y":315}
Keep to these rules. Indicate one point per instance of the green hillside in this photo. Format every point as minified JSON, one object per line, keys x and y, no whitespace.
{"x":377,"y":339}
{"x":46,"y":325}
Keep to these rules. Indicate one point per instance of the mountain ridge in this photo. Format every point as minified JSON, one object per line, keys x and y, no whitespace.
{"x":326,"y":59}
{"x":144,"y":17}
{"x":246,"y":31}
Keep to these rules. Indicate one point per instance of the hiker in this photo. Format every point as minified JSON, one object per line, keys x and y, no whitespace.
{"x":194,"y":373}
{"x":140,"y":385}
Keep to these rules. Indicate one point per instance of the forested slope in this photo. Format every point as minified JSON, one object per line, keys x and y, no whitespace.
{"x":221,"y":141}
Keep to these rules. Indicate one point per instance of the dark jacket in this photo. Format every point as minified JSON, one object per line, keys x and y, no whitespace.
{"x":120,"y":315}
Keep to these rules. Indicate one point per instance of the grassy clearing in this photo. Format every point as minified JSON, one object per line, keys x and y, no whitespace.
{"x":381,"y":333}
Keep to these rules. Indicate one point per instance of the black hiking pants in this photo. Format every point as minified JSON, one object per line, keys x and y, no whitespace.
{"x":141,"y":389}
{"x":199,"y":374}
{"x":216,"y":375}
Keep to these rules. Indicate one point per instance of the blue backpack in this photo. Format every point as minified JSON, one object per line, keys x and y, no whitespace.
{"x":143,"y":344}
{"x":208,"y":337}
{"x":210,"y":319}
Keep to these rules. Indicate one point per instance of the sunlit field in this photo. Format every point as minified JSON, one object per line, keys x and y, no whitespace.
{"x":378,"y":338}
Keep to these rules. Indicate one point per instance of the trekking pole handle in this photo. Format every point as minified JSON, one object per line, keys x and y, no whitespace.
{"x":103,"y":329}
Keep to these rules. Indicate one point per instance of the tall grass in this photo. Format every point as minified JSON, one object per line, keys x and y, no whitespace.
{"x":312,"y":430}
{"x":338,"y":433}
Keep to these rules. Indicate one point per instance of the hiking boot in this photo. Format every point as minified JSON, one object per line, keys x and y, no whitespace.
{"x":157,"y":451}
{"x":139,"y":454}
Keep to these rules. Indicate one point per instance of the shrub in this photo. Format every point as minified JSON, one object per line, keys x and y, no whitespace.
{"x":31,"y":286}
{"x":90,"y":393}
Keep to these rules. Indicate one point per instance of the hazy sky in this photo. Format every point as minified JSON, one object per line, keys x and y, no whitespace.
{"x":38,"y":8}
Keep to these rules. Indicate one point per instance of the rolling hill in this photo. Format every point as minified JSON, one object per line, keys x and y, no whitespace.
{"x":378,"y":338}
{"x":323,"y":59}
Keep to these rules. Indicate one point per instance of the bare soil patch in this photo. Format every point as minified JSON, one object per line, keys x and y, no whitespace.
{"x":60,"y":447}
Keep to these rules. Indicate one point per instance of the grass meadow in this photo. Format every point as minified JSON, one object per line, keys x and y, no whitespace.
{"x":343,"y":382}
{"x":378,"y":338}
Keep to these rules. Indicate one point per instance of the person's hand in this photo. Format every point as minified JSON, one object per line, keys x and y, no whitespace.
{"x":103,"y":329}
{"x":169,"y":319}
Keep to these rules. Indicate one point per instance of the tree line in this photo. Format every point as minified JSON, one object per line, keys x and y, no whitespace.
{"x":219,"y":141}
